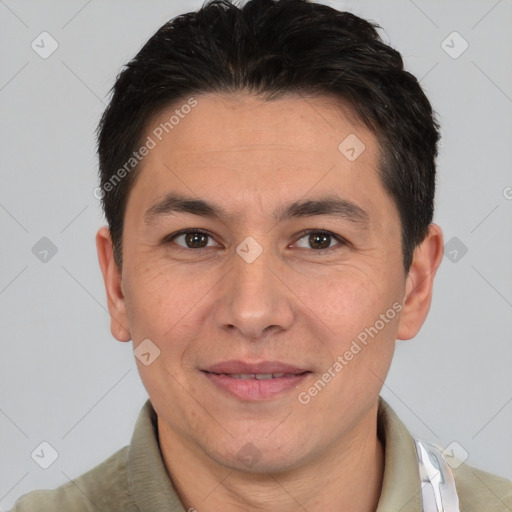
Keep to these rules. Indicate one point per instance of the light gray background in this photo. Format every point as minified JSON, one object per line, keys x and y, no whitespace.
{"x":65,"y":380}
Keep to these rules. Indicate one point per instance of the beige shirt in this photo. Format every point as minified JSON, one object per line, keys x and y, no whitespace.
{"x":134,"y":479}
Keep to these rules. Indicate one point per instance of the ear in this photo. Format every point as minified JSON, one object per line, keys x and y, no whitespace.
{"x":418,"y":288}
{"x":113,"y":285}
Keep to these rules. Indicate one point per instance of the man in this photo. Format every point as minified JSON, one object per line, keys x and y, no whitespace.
{"x":268,"y":175}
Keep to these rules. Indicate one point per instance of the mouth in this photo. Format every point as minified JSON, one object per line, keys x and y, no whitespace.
{"x":253,"y":382}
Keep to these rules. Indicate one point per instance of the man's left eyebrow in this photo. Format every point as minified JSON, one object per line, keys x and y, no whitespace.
{"x":327,"y":205}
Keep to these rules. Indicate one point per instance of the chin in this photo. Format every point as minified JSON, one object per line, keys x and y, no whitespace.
{"x":262,"y":463}
{"x":260,"y":455}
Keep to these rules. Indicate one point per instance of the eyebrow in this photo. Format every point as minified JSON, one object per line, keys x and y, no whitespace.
{"x":326,"y":205}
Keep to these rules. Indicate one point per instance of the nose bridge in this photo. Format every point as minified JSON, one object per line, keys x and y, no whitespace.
{"x":254,"y":298}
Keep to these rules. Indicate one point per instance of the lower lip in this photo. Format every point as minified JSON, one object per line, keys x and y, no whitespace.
{"x":253,"y":389}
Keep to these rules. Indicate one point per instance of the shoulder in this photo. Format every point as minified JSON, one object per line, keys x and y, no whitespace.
{"x":479,"y":490}
{"x":104,"y":487}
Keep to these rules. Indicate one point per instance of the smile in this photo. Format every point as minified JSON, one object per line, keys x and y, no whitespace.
{"x":253,"y":382}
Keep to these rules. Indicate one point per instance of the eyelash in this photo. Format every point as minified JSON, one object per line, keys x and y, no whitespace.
{"x":341,"y":241}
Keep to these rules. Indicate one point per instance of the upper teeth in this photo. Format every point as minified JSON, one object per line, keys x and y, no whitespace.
{"x":257,"y":376}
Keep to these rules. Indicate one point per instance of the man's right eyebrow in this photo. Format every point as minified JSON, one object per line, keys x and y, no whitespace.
{"x":176,"y":203}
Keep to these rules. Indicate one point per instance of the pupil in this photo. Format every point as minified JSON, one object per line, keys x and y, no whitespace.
{"x":321,"y":239}
{"x":194,"y":238}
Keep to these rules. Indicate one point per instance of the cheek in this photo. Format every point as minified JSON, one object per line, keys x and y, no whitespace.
{"x":172,"y":306}
{"x":363,"y":315}
{"x":159,"y":302}
{"x":348,"y":300}
{"x":363,"y":319}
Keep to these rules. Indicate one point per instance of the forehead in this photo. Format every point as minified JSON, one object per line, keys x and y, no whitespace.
{"x":242,"y":121}
{"x":247,"y":151}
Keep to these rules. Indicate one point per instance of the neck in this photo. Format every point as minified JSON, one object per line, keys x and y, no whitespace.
{"x":347,"y":477}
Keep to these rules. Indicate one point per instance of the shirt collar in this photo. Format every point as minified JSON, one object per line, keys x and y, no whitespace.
{"x":149,"y":483}
{"x":401,"y":486}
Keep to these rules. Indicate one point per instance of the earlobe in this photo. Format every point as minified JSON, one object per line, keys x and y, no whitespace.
{"x":419,"y":284}
{"x":113,"y":286}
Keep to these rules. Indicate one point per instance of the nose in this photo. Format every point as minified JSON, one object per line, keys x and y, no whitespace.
{"x":253,"y":298}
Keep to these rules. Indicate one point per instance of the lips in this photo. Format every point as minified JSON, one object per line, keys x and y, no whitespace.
{"x":255,"y":381}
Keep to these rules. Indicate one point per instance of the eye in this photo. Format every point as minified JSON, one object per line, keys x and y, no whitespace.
{"x":192,"y":239}
{"x":320,"y":240}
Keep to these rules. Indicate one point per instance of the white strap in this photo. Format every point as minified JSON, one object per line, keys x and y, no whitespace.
{"x":437,"y":482}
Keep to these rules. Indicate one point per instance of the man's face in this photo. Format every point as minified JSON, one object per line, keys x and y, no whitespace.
{"x":261,"y":292}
